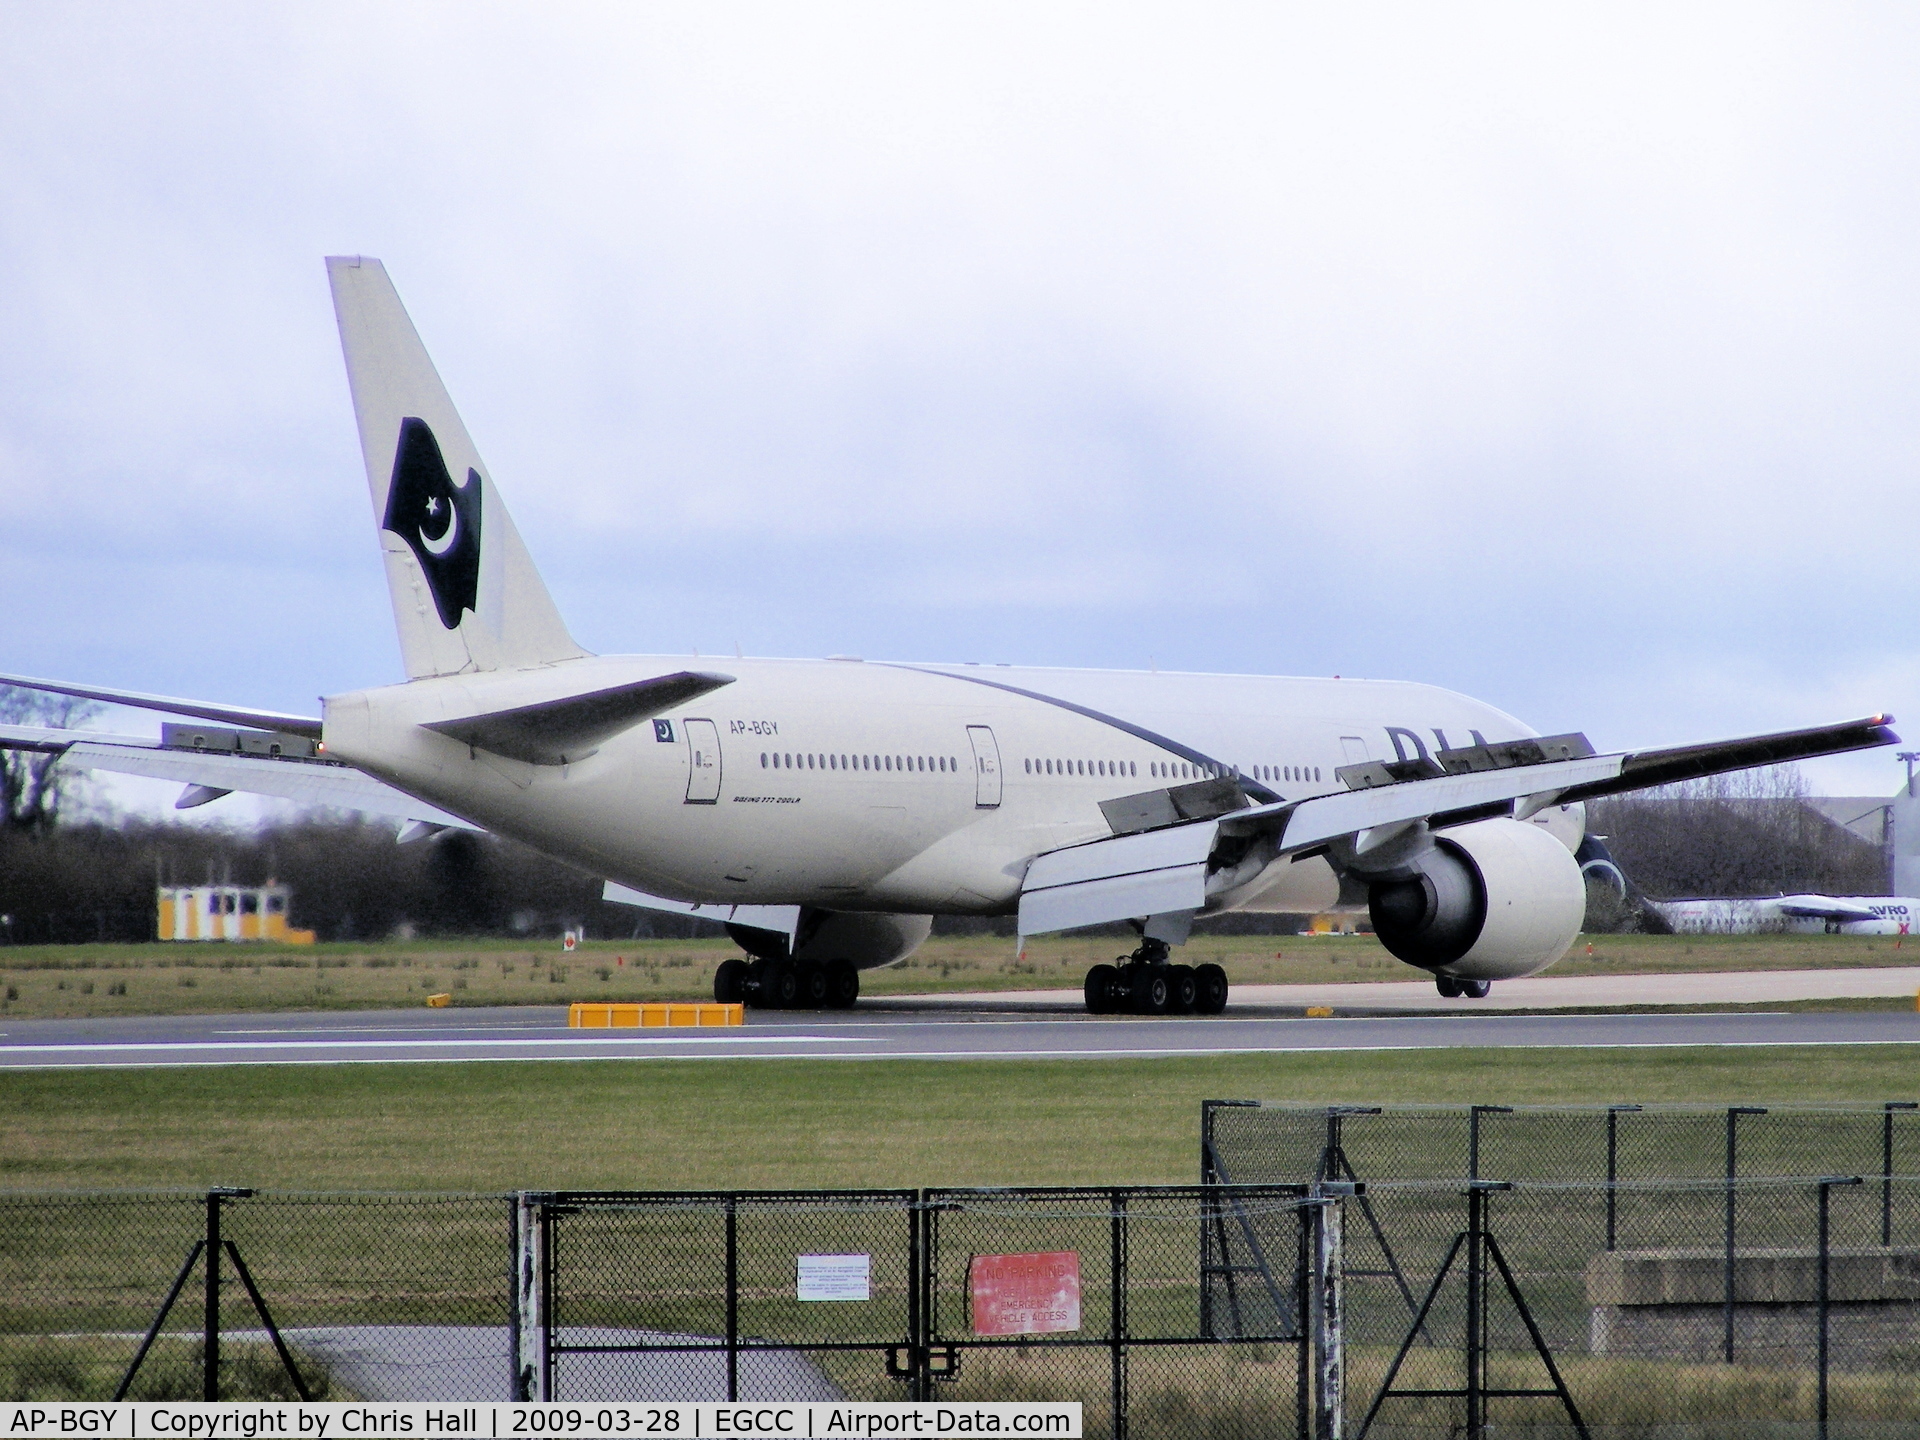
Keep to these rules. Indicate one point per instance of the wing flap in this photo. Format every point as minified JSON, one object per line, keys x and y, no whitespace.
{"x":554,"y":732}
{"x":783,"y":919}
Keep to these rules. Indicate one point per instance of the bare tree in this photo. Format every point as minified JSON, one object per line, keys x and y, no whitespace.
{"x":1748,"y":833}
{"x":33,"y":784}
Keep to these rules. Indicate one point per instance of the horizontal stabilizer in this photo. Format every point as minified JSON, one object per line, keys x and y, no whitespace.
{"x":198,"y":709}
{"x":555,"y":732}
{"x":307,"y":782}
{"x":782,"y":919}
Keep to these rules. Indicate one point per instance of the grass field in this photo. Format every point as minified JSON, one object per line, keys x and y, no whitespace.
{"x":170,"y":979}
{"x":781,"y":1123}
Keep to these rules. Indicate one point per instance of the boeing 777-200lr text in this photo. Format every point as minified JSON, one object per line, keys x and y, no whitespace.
{"x":826,"y":810}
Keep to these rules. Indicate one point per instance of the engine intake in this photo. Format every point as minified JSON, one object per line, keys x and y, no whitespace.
{"x":1493,"y":900}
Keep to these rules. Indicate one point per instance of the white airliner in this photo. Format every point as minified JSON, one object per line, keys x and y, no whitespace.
{"x":826,"y":810}
{"x":1791,"y":914}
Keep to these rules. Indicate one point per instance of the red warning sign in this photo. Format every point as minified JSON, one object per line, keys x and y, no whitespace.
{"x":1025,"y":1294}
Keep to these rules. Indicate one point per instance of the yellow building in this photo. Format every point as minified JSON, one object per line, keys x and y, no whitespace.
{"x":227,"y":912}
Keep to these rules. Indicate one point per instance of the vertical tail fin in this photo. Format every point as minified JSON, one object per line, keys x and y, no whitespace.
{"x":465,"y":593}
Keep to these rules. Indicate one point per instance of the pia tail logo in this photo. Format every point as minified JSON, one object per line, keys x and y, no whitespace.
{"x":439,"y":519}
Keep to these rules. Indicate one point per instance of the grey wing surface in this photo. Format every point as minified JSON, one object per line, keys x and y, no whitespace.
{"x":1178,"y":867}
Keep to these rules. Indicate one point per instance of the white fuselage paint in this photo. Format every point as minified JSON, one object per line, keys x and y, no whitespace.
{"x":880,"y":808}
{"x":1766,"y":915}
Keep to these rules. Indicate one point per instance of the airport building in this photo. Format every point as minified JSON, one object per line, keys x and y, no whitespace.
{"x":228,"y":912}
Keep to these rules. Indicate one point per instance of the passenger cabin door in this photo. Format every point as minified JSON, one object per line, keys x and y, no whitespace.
{"x":703,"y":762}
{"x":986,"y":767}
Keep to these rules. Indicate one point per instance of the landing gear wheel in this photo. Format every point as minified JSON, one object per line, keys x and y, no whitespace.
{"x":1476,"y":989}
{"x":843,"y":984}
{"x":810,"y":985}
{"x":1149,"y":989}
{"x":1210,"y":985}
{"x":730,"y":982}
{"x":1102,"y":982}
{"x":779,"y":986}
{"x":1183,"y":990}
{"x":1448,"y":987}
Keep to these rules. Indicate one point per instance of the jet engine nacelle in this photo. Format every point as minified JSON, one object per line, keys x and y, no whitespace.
{"x":1490,"y":901}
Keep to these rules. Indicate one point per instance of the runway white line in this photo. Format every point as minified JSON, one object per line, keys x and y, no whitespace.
{"x":1129,"y":1053}
{"x":556,"y":1026}
{"x":107,"y":1045}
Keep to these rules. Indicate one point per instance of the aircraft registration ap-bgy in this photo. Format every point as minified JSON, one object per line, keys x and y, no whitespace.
{"x":826,"y":810}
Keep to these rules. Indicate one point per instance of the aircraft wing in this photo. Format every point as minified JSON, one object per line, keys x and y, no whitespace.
{"x":210,"y":774}
{"x":1823,"y":907}
{"x":1177,"y":867}
{"x":781,"y":918}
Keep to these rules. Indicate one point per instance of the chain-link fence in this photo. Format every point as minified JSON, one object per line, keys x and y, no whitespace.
{"x":1165,"y":1311}
{"x":1690,"y":1307}
{"x":230,"y":1294}
{"x":1256,"y":1142}
{"x":1486,"y":1306}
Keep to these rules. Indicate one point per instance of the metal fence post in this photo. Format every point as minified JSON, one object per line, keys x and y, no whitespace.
{"x":1328,"y":1300}
{"x":1474,"y":1112}
{"x":210,"y":1324}
{"x":210,"y":1331}
{"x":733,"y":1297}
{"x":528,"y":1298}
{"x":1117,"y":1313}
{"x":1886,"y":1165}
{"x":1826,"y":1193}
{"x":1614,"y":1112}
{"x":1734,"y":1112}
{"x":1476,"y":1296}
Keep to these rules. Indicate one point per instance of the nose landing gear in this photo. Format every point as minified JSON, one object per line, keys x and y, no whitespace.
{"x":1144,"y":983}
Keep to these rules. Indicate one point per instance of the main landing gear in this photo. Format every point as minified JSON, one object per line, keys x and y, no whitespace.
{"x":1144,"y":983}
{"x":787,"y":984}
{"x":1454,"y":989}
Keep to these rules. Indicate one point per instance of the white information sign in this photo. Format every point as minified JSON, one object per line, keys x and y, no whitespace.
{"x":834,"y":1277}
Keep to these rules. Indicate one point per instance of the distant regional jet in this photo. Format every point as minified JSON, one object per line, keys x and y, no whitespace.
{"x":1791,"y":914}
{"x":826,"y":810}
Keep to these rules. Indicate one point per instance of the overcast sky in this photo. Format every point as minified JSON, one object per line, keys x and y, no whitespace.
{"x":1561,"y":356}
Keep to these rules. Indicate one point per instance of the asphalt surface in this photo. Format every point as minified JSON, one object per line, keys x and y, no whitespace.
{"x":895,"y":1029}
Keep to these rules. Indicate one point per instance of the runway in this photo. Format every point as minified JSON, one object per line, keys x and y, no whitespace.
{"x":954,"y":1028}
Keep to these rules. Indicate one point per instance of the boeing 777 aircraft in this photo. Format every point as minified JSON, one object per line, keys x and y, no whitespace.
{"x":826,"y":810}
